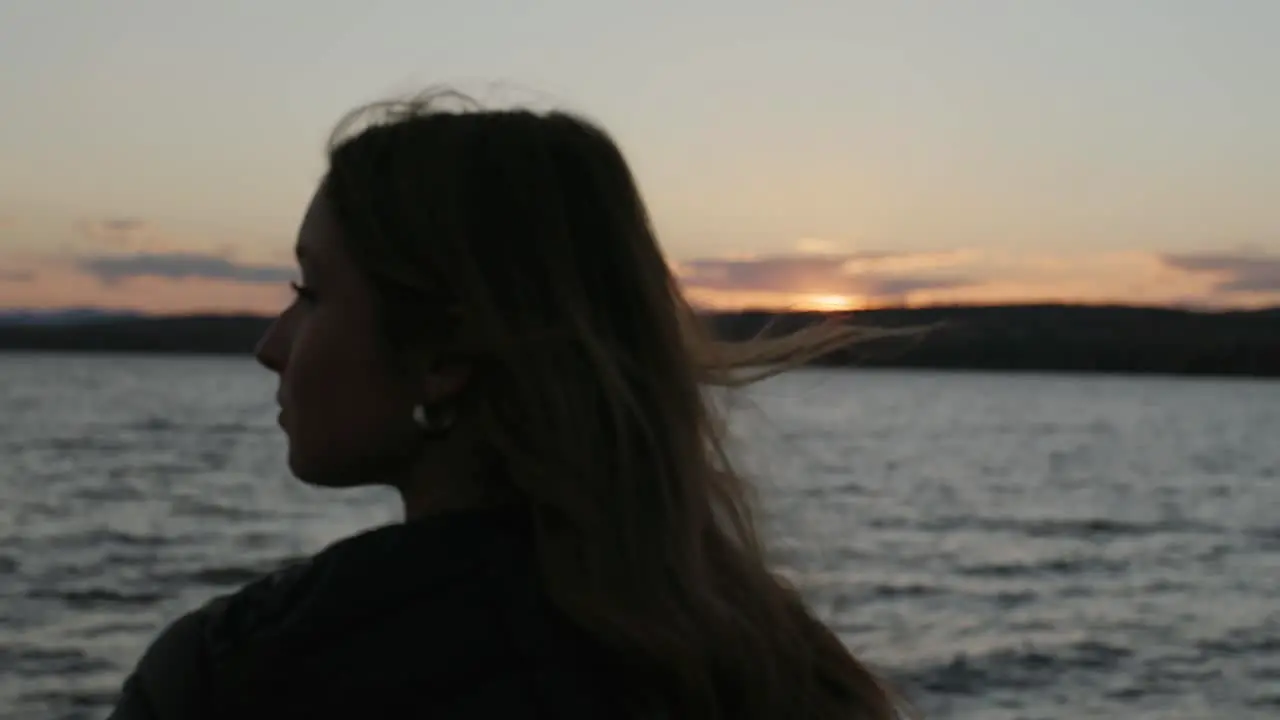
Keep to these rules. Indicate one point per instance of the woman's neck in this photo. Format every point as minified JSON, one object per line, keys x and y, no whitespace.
{"x":441,"y":489}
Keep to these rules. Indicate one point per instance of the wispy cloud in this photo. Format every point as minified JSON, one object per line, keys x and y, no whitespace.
{"x":17,"y":276}
{"x":866,"y":279}
{"x":113,"y":231}
{"x":878,"y":276}
{"x":1232,"y":273}
{"x":133,"y":235}
{"x":113,"y":269}
{"x":120,"y":225}
{"x":177,"y":272}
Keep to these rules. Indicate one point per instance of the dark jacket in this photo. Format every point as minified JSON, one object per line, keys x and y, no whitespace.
{"x":438,"y":618}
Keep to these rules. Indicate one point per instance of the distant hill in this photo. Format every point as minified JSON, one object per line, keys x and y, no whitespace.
{"x":999,"y":338}
{"x":180,"y":334}
{"x":73,"y":316}
{"x":1066,"y":338}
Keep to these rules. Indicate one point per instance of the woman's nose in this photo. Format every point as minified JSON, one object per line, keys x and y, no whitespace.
{"x":272,"y":350}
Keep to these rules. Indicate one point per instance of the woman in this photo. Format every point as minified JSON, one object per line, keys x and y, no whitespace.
{"x":486,"y":323}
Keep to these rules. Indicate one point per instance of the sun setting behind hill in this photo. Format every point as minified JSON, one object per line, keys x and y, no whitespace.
{"x":897,"y":158}
{"x":195,"y":282}
{"x":1038,"y":482}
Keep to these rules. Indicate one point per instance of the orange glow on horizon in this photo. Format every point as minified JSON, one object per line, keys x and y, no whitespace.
{"x":831,"y":303}
{"x":1118,"y":278}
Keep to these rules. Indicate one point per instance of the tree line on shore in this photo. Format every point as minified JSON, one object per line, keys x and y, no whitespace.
{"x":996,"y":338}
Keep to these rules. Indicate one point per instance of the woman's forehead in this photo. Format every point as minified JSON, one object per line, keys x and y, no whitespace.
{"x":318,"y":233}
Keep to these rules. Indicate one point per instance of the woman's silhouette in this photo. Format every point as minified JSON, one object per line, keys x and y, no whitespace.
{"x":486,"y":323}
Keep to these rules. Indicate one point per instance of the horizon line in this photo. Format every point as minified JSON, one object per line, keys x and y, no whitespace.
{"x":123,"y":312}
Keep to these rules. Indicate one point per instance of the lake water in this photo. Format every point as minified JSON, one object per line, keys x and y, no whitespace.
{"x":1034,"y":547}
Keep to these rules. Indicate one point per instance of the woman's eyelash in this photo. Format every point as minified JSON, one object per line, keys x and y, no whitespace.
{"x":302,"y":291}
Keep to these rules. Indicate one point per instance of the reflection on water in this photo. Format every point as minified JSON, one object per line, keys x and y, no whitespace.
{"x":1004,"y":547}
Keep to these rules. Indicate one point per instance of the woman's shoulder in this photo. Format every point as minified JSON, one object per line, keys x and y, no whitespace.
{"x":230,"y":620}
{"x":173,"y":678}
{"x":434,"y":616}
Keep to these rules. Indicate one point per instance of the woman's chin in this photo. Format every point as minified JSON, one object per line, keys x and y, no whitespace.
{"x":323,"y":473}
{"x":305,"y":469}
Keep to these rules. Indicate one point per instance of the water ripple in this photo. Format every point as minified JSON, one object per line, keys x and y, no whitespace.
{"x":1002,"y":547}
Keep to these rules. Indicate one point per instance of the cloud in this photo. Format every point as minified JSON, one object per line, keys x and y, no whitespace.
{"x":129,"y":234}
{"x":112,"y":230}
{"x":1233,"y":273}
{"x":899,"y":286}
{"x":869,"y":276}
{"x":112,"y":269}
{"x":16,"y":276}
{"x":122,"y":224}
{"x":869,"y":279}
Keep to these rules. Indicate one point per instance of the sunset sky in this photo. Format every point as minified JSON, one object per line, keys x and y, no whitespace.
{"x":157,"y":154}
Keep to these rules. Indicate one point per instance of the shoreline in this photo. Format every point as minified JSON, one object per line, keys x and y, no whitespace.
{"x":1031,"y":338}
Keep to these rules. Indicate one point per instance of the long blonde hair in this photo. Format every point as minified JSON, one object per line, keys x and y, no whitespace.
{"x":520,"y":239}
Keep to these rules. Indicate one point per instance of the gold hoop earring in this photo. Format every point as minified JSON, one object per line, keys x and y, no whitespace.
{"x":435,"y":420}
